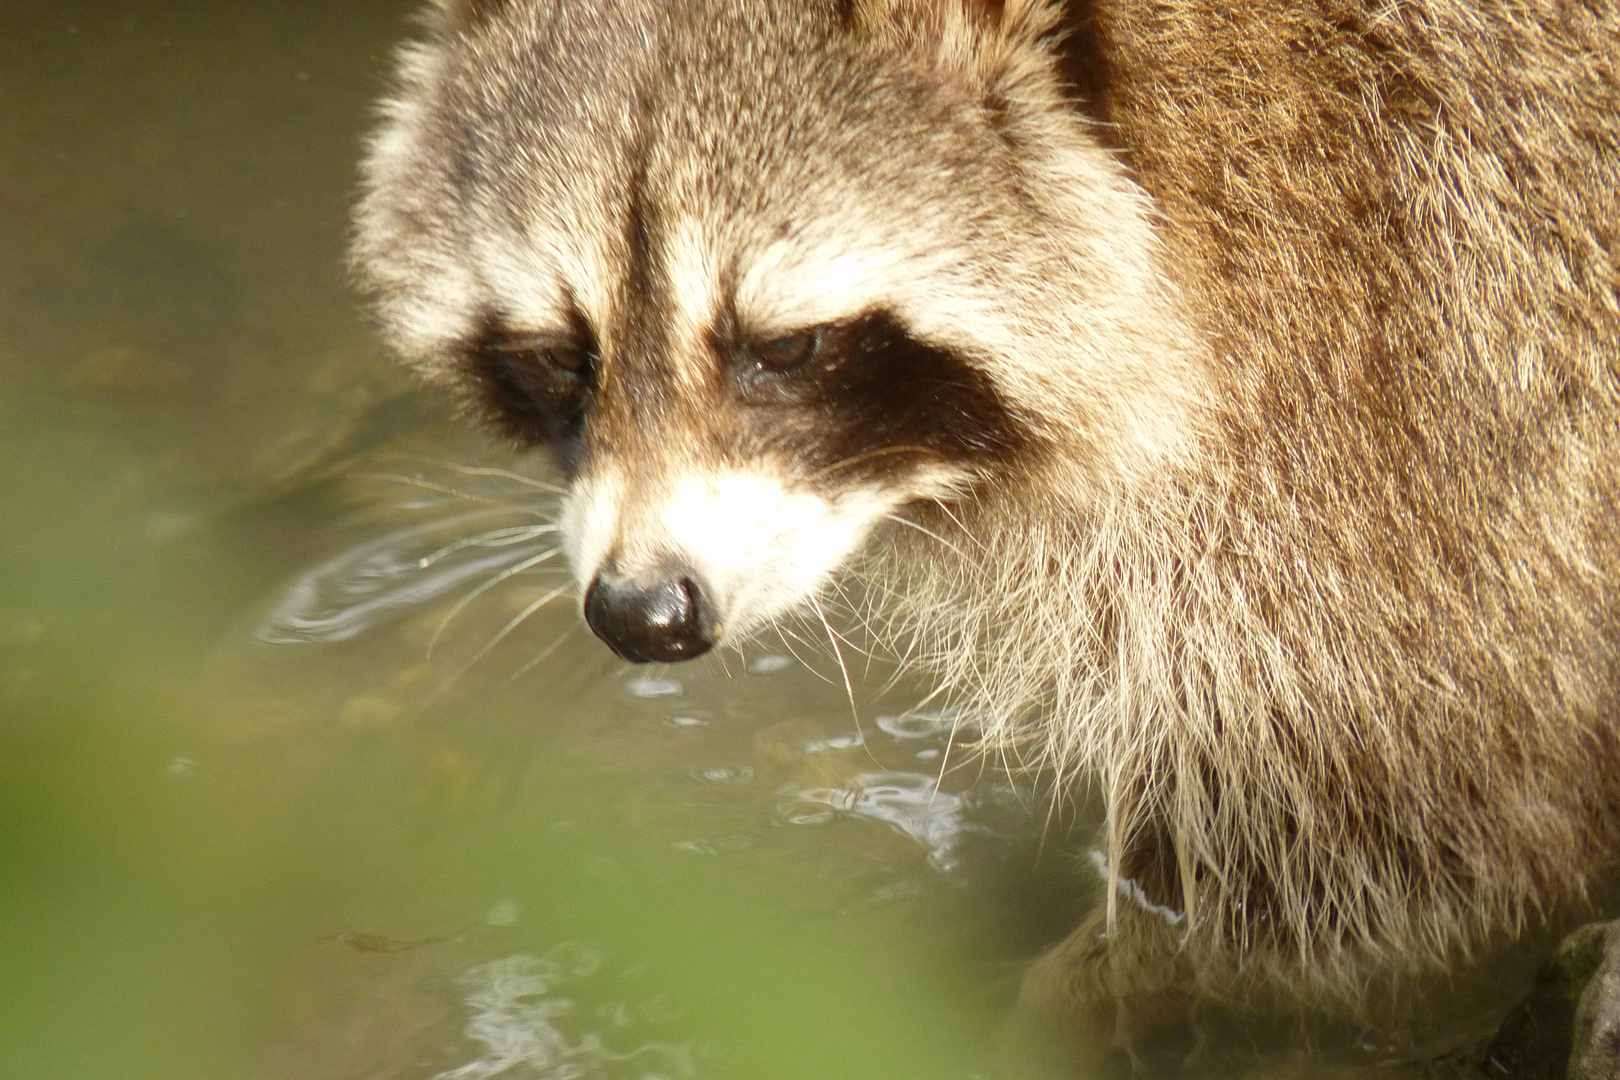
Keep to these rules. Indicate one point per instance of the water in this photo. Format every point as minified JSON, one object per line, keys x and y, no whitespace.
{"x":307,"y":769}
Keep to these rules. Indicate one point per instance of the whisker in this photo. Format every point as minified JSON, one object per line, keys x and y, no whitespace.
{"x":784,"y":634}
{"x":862,"y":620}
{"x":945,"y":509}
{"x":478,"y":470}
{"x":445,"y":489}
{"x":494,"y":538}
{"x":832,"y":639}
{"x":950,"y":744}
{"x":868,"y":456}
{"x":480,"y":590}
{"x":507,"y":474}
{"x":537,"y":660}
{"x":934,"y":535}
{"x":516,"y":621}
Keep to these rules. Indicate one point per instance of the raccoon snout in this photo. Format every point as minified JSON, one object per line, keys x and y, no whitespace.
{"x":666,"y":622}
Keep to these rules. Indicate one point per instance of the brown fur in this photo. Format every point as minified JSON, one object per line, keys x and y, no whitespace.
{"x":1355,"y":670}
{"x":1310,"y":559}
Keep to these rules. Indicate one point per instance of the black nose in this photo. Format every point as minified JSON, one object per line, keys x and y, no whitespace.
{"x":665,"y":622}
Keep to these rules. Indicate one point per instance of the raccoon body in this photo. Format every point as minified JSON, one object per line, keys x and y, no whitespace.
{"x":1220,"y":398}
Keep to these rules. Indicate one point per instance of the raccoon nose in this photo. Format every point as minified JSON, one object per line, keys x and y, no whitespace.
{"x":665,"y":622}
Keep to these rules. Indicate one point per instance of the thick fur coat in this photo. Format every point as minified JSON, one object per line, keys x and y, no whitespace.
{"x":1254,"y":441}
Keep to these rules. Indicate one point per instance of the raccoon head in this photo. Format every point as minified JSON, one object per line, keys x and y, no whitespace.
{"x":763,"y":276}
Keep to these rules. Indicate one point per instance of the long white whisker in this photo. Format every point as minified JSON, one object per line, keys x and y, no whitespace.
{"x":858,"y":459}
{"x":537,"y":660}
{"x":494,"y":538}
{"x":832,"y":639}
{"x":935,"y":536}
{"x":784,"y":634}
{"x":445,"y":489}
{"x":950,"y":744}
{"x":509,"y":572}
{"x":862,"y":621}
{"x":948,"y":512}
{"x":507,"y":474}
{"x":516,"y":621}
{"x":479,"y":470}
{"x":734,"y":649}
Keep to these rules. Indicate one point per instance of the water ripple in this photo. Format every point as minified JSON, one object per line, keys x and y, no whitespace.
{"x":515,"y":1009}
{"x":910,"y":803}
{"x":374,"y":582}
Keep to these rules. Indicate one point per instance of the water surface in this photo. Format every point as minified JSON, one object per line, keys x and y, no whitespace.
{"x":306,"y":768}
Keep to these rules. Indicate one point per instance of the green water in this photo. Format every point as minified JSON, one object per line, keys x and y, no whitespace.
{"x":273,"y":802}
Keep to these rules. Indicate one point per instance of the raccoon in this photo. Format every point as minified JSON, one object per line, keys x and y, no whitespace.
{"x":1221,"y":398}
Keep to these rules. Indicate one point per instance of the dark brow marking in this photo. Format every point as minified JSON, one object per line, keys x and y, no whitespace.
{"x":872,"y":401}
{"x":526,"y":396}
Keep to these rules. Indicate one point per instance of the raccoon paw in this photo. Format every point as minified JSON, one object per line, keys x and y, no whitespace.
{"x":1099,"y":1005}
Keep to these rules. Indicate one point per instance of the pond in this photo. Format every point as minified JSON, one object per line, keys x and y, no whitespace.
{"x":307,"y":767}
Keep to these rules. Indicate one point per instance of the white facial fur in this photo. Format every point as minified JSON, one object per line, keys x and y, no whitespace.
{"x":758,"y":547}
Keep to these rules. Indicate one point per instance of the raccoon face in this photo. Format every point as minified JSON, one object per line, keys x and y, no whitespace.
{"x":716,"y":484}
{"x":763,"y":470}
{"x":762,"y":277}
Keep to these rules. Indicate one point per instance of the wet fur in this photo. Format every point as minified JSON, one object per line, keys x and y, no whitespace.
{"x":1306,"y":544}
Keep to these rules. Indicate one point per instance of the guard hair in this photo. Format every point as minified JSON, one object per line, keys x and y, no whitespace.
{"x":1246,"y":377}
{"x":988,"y":48}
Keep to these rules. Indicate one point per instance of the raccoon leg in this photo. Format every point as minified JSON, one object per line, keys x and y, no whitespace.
{"x":1596,"y":1054}
{"x":1102,"y":994}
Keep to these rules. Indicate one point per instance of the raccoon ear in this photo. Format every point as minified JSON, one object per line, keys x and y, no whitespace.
{"x":985,"y":46}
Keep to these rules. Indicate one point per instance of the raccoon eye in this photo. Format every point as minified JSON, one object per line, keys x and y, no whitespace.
{"x":788,"y":352}
{"x":570,"y":358}
{"x":565,"y":356}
